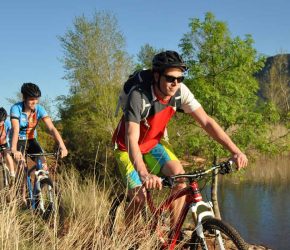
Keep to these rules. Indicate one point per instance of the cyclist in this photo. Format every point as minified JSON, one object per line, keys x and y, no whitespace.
{"x":5,"y":129}
{"x":140,"y":153}
{"x":24,"y":117}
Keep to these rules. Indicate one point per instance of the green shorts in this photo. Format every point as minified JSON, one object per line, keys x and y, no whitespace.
{"x":155,"y":160}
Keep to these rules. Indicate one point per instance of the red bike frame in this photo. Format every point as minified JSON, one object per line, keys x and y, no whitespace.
{"x":192,"y":194}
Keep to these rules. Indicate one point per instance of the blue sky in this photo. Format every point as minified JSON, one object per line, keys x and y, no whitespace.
{"x":30,"y":50}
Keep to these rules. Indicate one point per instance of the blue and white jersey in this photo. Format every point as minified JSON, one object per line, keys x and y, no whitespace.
{"x":27,"y":124}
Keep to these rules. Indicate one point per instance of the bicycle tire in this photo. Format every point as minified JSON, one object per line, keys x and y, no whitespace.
{"x":52,"y":204}
{"x":210,"y":225}
{"x":113,"y":212}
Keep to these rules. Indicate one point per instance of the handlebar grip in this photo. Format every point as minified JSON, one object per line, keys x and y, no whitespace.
{"x":167,"y":182}
{"x":226,"y":167}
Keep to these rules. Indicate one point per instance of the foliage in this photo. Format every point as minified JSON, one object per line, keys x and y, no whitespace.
{"x":220,"y":75}
{"x":146,"y":55}
{"x":96,"y":65}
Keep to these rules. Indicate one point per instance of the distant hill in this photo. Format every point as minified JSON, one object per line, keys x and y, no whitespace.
{"x":276,"y":67}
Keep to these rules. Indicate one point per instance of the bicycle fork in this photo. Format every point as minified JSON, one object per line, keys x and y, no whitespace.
{"x":39,"y":176}
{"x":36,"y":191}
{"x":198,"y":217}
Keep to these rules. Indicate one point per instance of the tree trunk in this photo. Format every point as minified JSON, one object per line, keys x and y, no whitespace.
{"x":214,"y":192}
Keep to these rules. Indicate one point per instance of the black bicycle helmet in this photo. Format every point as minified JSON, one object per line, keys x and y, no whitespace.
{"x":30,"y":90}
{"x":167,"y":59}
{"x":3,"y":114}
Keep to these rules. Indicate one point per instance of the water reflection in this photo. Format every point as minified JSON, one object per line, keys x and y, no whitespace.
{"x":260,"y":208}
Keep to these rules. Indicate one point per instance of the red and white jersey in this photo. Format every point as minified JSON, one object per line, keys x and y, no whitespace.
{"x":152,"y":128}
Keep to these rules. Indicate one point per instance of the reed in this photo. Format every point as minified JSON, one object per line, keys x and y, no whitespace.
{"x":267,"y":170}
{"x":86,"y":206}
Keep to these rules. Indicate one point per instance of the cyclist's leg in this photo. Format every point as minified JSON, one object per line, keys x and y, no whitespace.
{"x":10,"y":163}
{"x":22,"y":146}
{"x":162,"y":159}
{"x":137,"y":198}
{"x":35,"y":148}
{"x":136,"y":193}
{"x":30,"y":146}
{"x":173,"y":168}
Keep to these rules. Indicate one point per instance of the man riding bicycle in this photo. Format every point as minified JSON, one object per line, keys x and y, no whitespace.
{"x":24,"y":117}
{"x":5,"y":136}
{"x":140,"y":154}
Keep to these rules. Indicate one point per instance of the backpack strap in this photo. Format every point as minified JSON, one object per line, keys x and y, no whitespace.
{"x":139,"y":79}
{"x":148,"y":102}
{"x":175,"y":100}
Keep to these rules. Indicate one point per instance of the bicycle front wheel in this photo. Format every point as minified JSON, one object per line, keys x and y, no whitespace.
{"x":217,"y":235}
{"x":49,"y":201}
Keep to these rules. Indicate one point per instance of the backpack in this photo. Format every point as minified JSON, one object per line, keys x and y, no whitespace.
{"x":140,"y":79}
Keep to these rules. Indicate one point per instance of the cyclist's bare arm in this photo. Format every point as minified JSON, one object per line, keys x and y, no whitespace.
{"x":132,"y":137}
{"x":217,"y":133}
{"x":54,"y":132}
{"x":14,"y":141}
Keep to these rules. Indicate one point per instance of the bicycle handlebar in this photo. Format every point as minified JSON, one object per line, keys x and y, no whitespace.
{"x":224,"y":168}
{"x":42,"y":154}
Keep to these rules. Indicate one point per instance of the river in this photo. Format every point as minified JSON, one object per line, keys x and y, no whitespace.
{"x":259,"y":205}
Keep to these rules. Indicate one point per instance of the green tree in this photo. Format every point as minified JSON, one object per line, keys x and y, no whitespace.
{"x":221,"y":70}
{"x":96,"y":65}
{"x":146,"y":55}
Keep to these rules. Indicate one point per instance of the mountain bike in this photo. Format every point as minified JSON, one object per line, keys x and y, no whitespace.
{"x":207,"y":232}
{"x":42,"y":194}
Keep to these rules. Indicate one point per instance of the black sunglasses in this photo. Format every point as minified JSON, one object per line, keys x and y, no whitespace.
{"x":173,"y":78}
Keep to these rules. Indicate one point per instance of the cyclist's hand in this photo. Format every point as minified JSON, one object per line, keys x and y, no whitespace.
{"x":151,"y":181}
{"x":17,"y":155}
{"x":241,"y":160}
{"x":63,"y":151}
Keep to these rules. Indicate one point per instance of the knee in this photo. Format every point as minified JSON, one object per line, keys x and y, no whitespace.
{"x":172,"y":168}
{"x":180,"y":184}
{"x":177,"y":170}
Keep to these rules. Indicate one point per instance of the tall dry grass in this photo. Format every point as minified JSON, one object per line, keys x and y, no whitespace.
{"x":86,"y":204}
{"x":267,"y":170}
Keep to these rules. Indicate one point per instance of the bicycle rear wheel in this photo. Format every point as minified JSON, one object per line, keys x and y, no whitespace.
{"x":218,"y":235}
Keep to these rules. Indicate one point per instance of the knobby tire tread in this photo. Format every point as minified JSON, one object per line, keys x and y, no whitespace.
{"x":47,"y":214}
{"x":225,"y":228}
